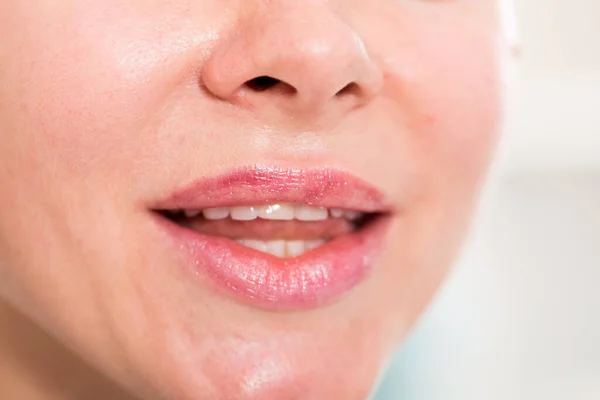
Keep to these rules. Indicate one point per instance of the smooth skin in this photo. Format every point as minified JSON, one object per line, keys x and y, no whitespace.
{"x":108,"y":105}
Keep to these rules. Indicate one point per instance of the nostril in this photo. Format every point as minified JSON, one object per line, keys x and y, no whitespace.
{"x":351,"y":88}
{"x":262,"y":83}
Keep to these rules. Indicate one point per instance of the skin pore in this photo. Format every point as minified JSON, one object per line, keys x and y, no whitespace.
{"x":107,"y":106}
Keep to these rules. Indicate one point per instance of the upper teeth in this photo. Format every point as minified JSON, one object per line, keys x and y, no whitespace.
{"x":278,"y":211}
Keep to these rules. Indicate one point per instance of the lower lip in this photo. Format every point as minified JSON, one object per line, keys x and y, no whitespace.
{"x":313,"y":279}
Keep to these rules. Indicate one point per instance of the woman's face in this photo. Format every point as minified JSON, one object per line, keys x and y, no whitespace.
{"x":113,"y":112}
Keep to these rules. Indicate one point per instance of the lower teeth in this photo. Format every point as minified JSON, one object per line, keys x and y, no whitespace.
{"x":282,"y":248}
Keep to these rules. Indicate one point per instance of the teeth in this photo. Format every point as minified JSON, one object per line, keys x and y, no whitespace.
{"x":337,"y":212}
{"x":276,"y":248}
{"x":254,"y":244}
{"x":282,"y":248}
{"x":244,"y":213}
{"x":283,"y":212}
{"x":216,"y":213}
{"x":306,"y":213}
{"x":313,"y":244}
{"x":294,"y":248}
{"x":276,"y":211}
{"x":352,"y":215}
{"x":191,"y":213}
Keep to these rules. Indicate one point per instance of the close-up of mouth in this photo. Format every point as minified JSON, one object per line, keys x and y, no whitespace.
{"x":294,"y":199}
{"x":279,"y":238}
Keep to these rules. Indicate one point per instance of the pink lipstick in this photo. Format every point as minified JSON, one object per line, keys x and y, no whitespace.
{"x":349,"y":220}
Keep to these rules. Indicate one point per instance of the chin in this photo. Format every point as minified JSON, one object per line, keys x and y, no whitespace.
{"x":238,"y":369}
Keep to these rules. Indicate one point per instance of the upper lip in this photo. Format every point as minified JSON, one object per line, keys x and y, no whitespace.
{"x":255,"y":185}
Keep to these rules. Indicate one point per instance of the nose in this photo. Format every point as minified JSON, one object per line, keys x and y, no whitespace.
{"x":298,"y":59}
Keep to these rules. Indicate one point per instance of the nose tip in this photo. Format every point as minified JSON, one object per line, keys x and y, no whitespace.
{"x":309,"y":62}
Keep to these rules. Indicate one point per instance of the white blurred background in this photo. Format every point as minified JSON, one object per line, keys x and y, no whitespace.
{"x":520,"y":316}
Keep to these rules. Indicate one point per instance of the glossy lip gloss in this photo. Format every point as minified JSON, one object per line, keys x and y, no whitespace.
{"x":310,"y":280}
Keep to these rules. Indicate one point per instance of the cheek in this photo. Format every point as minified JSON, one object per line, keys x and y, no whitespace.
{"x":63,"y":159}
{"x":449,"y":88}
{"x":461,"y":101}
{"x":460,"y":122}
{"x":442,"y":70}
{"x":446,"y":85}
{"x":80,"y":104}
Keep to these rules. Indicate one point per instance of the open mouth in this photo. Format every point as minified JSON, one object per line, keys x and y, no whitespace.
{"x":280,"y":229}
{"x":278,"y":238}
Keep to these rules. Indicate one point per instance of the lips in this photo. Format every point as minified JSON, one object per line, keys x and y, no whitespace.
{"x":278,"y":238}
